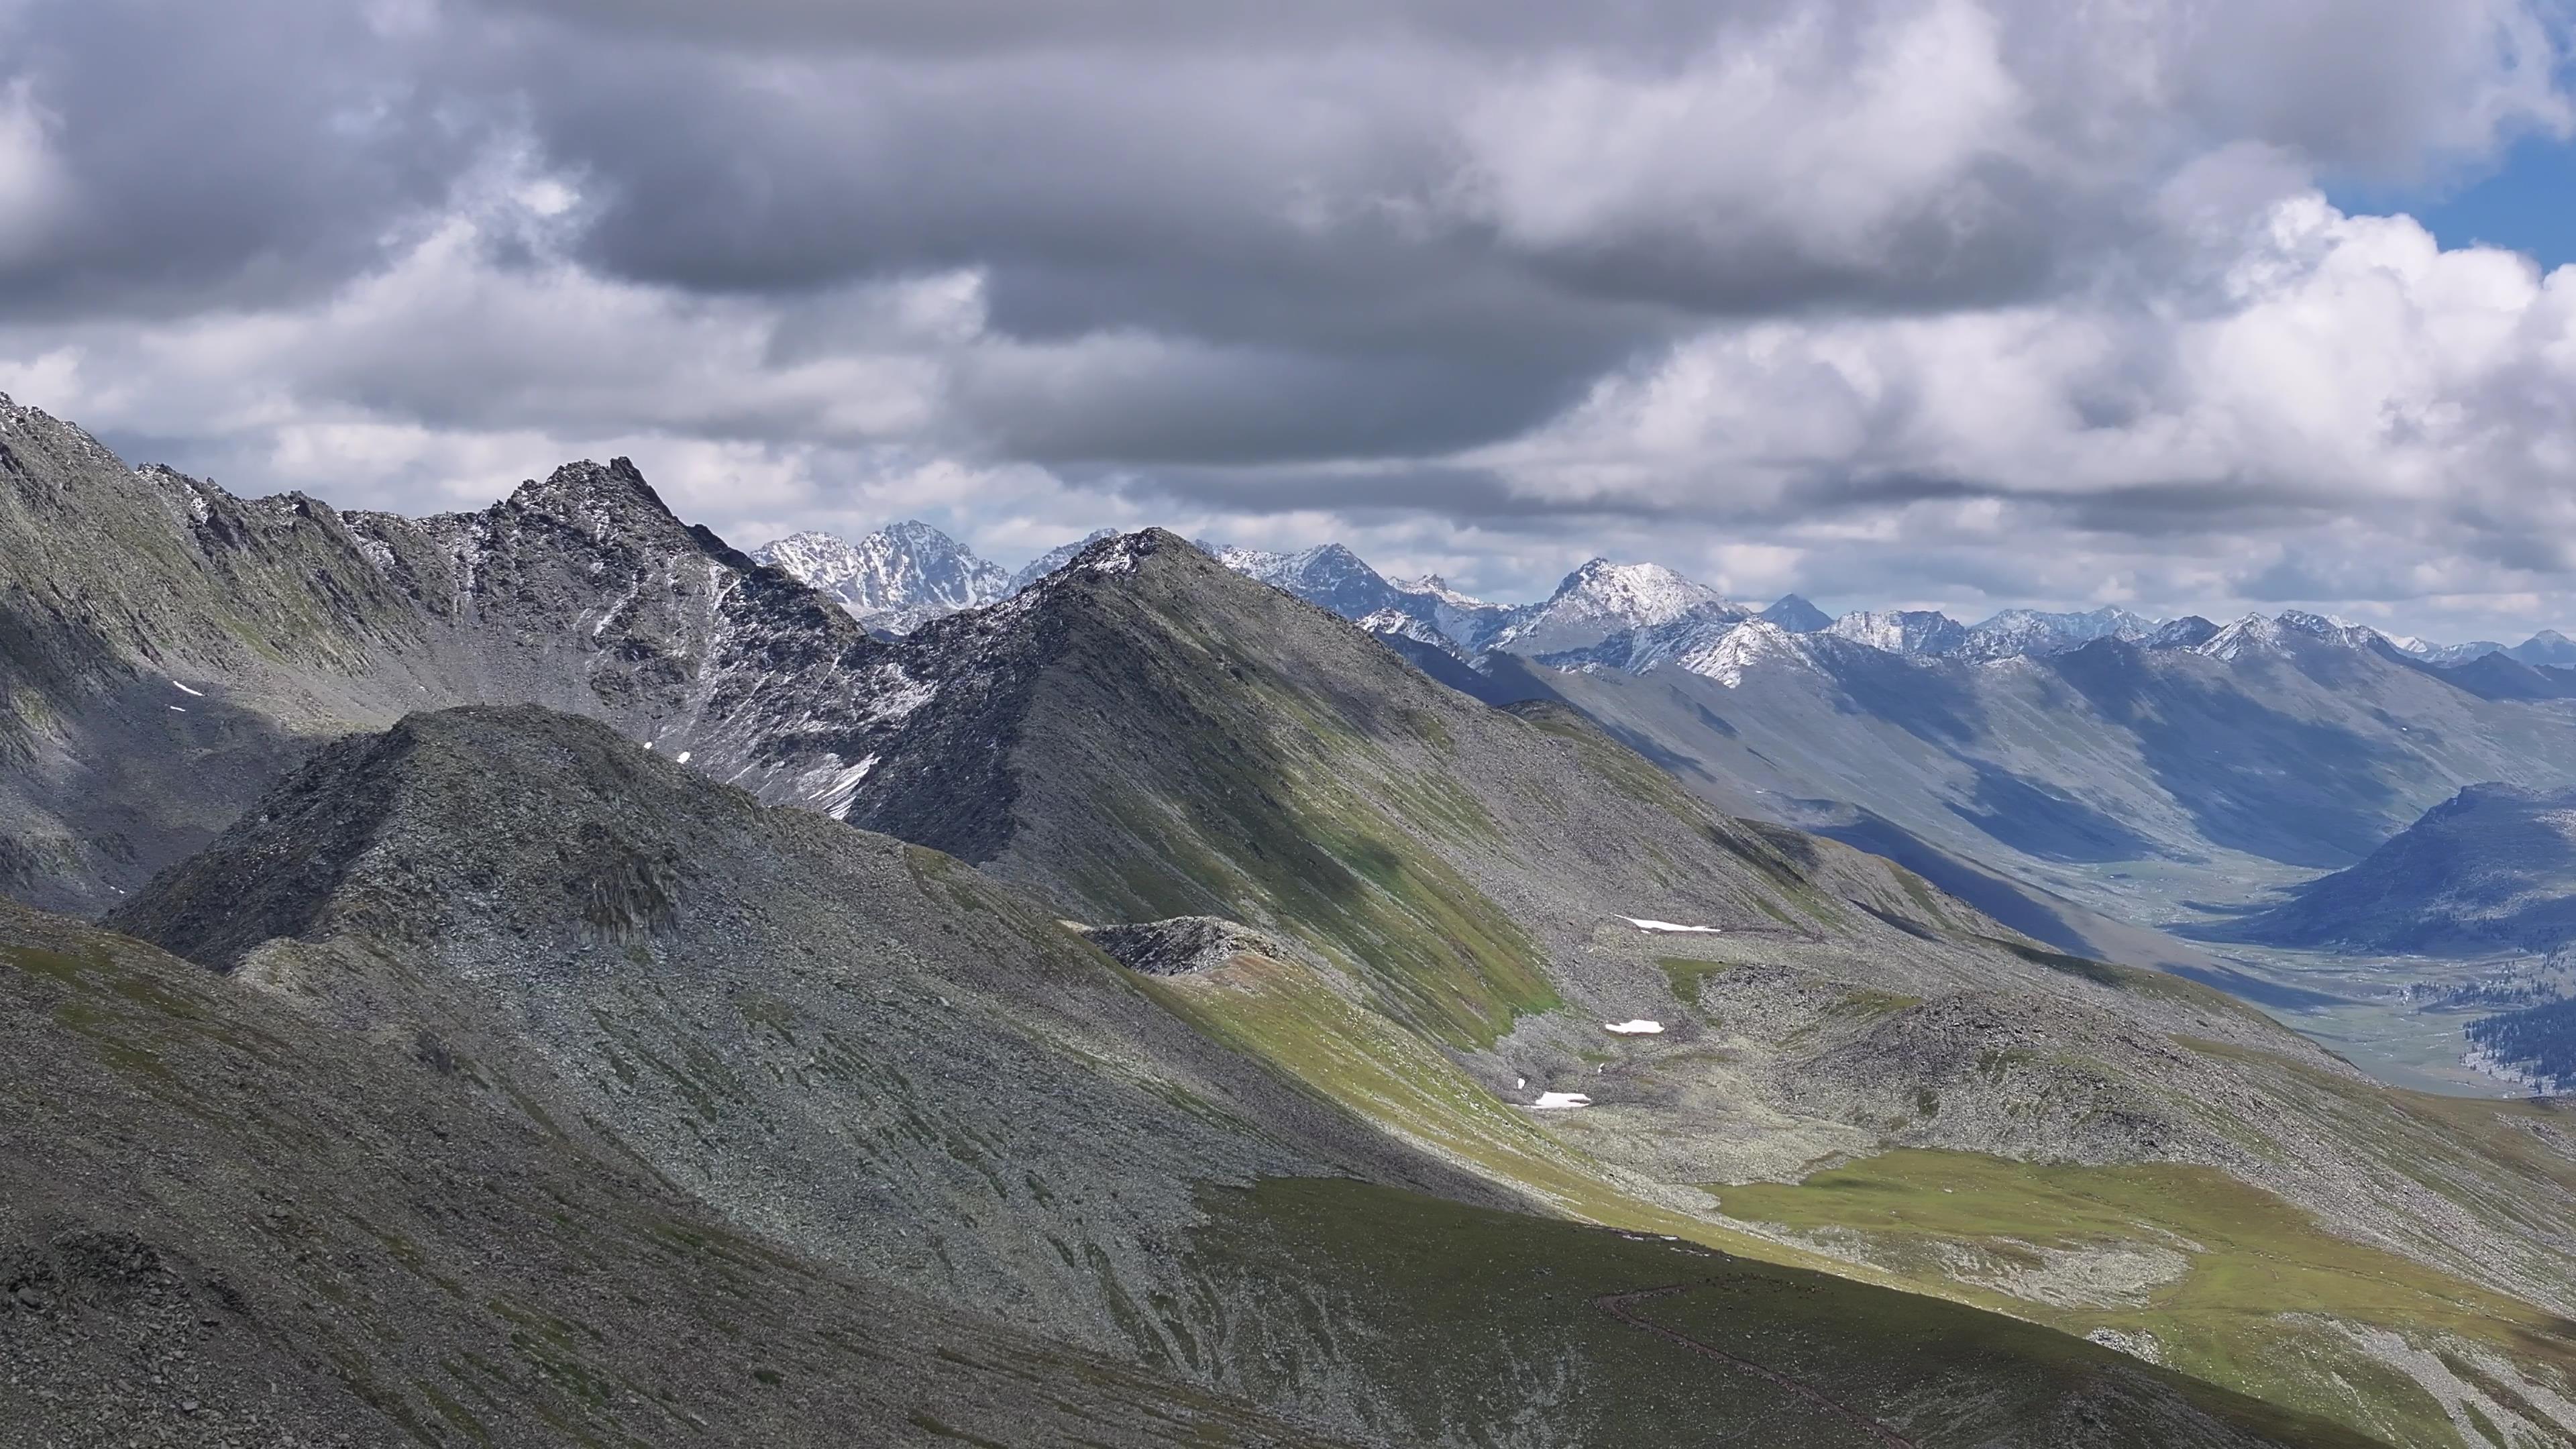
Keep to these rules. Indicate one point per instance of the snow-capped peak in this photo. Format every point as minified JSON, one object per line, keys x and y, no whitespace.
{"x":896,"y":579}
{"x":2254,"y":633}
{"x":1637,"y":594}
{"x":1926,"y":632}
{"x":1397,"y":624}
{"x":2034,"y":633}
{"x":1603,"y":598}
{"x":1747,"y":646}
{"x":1055,"y":558}
{"x":2245,"y":635}
{"x":1438,"y":588}
{"x":1328,"y":576}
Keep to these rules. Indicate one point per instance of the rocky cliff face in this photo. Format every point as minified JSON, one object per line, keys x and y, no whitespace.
{"x":172,"y":649}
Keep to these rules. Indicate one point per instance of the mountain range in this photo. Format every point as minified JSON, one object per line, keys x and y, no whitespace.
{"x":541,"y":975}
{"x":906,"y":573}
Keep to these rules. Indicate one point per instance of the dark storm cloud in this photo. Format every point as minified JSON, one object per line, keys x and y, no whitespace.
{"x":239,"y":153}
{"x":983,"y":27}
{"x":1955,"y":291}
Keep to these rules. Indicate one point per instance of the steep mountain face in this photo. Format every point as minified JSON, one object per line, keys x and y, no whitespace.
{"x":862,"y":1059}
{"x":895,"y":579}
{"x":1796,"y":615}
{"x":2493,"y":867}
{"x":1922,"y":632}
{"x":1602,"y":599}
{"x":227,"y":1217}
{"x":171,"y":649}
{"x":1471,"y":621}
{"x":2188,"y":632}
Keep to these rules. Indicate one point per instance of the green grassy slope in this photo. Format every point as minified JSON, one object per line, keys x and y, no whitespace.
{"x":1552,"y":1334}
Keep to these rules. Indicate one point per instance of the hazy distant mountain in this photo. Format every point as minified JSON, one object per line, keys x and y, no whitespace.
{"x":1471,"y":621}
{"x":2278,"y":748}
{"x":1796,"y":615}
{"x":1054,"y":558}
{"x":2546,"y":647}
{"x":2188,"y":632}
{"x":1601,"y":599}
{"x":2257,"y":634}
{"x":2492,"y":868}
{"x":1925,"y":632}
{"x":2449,"y":654}
{"x":1329,"y":576}
{"x":2033,"y":633}
{"x":895,"y":579}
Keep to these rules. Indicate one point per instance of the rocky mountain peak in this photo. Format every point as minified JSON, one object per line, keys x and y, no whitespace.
{"x":1927,"y":633}
{"x":600,"y":498}
{"x":2546,"y":647}
{"x":894,"y":579}
{"x":2188,"y":632}
{"x":1056,"y":558}
{"x":369,"y":834}
{"x":1797,"y":615}
{"x":1749,"y":645}
{"x":1328,"y":576}
{"x":1601,"y":599}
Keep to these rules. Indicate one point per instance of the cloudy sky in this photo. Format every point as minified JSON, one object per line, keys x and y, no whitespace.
{"x":2181,"y":304}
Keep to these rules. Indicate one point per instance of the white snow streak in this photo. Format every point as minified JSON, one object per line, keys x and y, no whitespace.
{"x":1559,"y":1101}
{"x":183,"y":689}
{"x":836,"y":797}
{"x":1669,"y":928}
{"x":1639,"y":1027}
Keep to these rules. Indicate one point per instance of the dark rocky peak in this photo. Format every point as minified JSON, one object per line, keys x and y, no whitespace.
{"x":36,"y":430}
{"x":2188,"y":632}
{"x":1054,"y":559}
{"x":498,"y":813}
{"x":600,"y":499}
{"x":1795,"y":614}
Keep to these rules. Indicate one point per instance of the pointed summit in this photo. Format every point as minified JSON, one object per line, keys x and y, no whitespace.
{"x":1602,"y":598}
{"x":1328,"y":576}
{"x":2546,"y":647}
{"x":894,"y":580}
{"x":1055,"y":558}
{"x":1796,"y":615}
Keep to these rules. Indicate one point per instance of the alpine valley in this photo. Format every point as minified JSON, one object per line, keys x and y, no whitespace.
{"x":543,"y":976}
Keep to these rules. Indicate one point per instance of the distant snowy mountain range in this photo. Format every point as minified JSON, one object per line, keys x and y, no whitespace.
{"x":1630,"y":617}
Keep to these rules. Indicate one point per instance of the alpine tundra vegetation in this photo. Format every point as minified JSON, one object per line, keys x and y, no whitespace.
{"x":542,"y":975}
